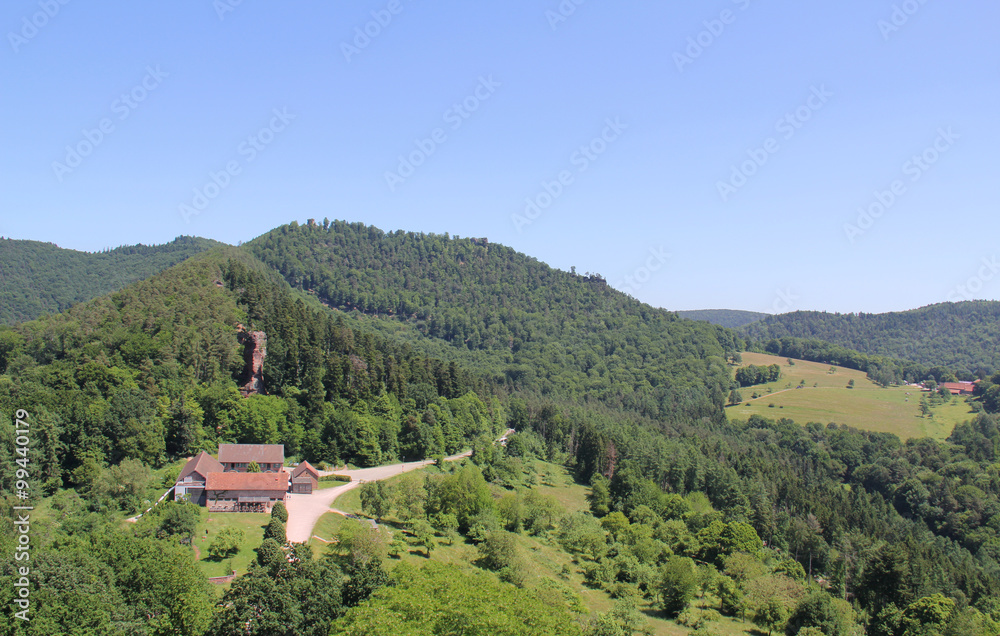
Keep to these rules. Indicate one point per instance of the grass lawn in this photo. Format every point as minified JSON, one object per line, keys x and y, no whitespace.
{"x":323,"y":485}
{"x":825,"y":398}
{"x":252,"y":523}
{"x":327,"y":527}
{"x":350,"y":501}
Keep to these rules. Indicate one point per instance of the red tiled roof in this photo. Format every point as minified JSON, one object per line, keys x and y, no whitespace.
{"x":247,"y":481}
{"x":305,"y":467}
{"x":203,"y":464}
{"x":246,"y":453}
{"x":959,"y":386}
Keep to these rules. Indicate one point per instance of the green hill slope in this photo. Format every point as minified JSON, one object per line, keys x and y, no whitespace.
{"x":963,"y":336}
{"x":626,"y":397}
{"x":731,"y":318}
{"x":516,"y":319}
{"x":817,"y":392}
{"x":40,"y":277}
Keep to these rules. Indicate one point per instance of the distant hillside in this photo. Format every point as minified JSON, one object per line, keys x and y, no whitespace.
{"x":817,"y":392}
{"x":627,"y":397}
{"x":517,"y":319}
{"x":963,"y":336}
{"x":40,"y":277}
{"x":732,"y":318}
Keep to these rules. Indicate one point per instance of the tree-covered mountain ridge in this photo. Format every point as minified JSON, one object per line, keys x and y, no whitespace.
{"x":130,"y":381}
{"x":37,"y":277}
{"x":532,"y":325}
{"x":732,"y":318}
{"x":964,"y":336}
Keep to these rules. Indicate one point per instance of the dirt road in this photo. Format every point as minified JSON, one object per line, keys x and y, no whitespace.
{"x":305,"y":510}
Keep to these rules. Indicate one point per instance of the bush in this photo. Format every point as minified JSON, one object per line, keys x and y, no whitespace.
{"x":335,"y":478}
{"x":279,"y":512}
{"x":621,"y":590}
{"x":270,"y":555}
{"x":275,"y":530}
{"x":678,"y":584}
{"x":227,"y":543}
{"x":499,"y":550}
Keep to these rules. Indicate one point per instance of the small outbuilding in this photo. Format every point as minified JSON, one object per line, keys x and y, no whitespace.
{"x":304,"y":478}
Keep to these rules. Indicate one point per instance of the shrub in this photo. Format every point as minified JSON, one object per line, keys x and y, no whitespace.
{"x":275,"y":530}
{"x":335,"y":478}
{"x":227,"y":543}
{"x":678,"y":584}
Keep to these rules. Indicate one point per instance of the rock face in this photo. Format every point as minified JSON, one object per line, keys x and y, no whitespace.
{"x":254,"y":351}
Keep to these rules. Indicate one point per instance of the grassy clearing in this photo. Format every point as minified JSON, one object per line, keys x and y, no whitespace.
{"x":327,"y":527}
{"x":825,"y":398}
{"x":210,"y":524}
{"x":544,"y":558}
{"x":350,"y":501}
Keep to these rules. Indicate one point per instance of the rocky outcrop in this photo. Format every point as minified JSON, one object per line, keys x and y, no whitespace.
{"x":254,"y":351}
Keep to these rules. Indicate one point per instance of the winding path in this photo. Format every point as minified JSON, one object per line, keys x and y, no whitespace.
{"x":305,"y":510}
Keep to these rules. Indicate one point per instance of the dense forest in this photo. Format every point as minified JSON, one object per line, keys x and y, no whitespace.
{"x":732,"y":318}
{"x":41,"y":277}
{"x":511,"y":316}
{"x":963,"y":336}
{"x":427,"y":345}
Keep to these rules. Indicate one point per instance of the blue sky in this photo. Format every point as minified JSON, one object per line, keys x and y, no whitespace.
{"x":698,"y":155}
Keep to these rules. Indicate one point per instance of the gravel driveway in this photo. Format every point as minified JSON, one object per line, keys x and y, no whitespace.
{"x":305,"y":510}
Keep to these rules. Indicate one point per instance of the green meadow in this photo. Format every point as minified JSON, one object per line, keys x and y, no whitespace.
{"x":825,"y":397}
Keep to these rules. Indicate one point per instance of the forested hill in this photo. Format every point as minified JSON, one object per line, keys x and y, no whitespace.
{"x":963,"y":336}
{"x":38,"y":277}
{"x":623,"y":395}
{"x":731,"y":318}
{"x":529,"y":324}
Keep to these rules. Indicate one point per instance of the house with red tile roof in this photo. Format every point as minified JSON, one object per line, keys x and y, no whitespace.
{"x":270,"y":458}
{"x":959,"y":388}
{"x":245,"y":492}
{"x":190,"y":484}
{"x":226,"y":485}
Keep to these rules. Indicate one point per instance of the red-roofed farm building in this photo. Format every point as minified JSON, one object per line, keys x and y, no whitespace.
{"x":960,"y":388}
{"x":226,"y":485}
